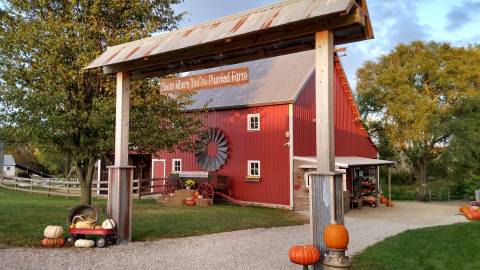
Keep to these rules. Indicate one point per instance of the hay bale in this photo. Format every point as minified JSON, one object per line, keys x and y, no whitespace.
{"x":202,"y":202}
{"x":184,"y":193}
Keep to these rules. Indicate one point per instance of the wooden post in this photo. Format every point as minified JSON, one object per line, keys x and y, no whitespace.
{"x":48,"y":188}
{"x":120,"y":175}
{"x":389,"y":184}
{"x":377,"y":187}
{"x":31,"y":186}
{"x":322,"y":204}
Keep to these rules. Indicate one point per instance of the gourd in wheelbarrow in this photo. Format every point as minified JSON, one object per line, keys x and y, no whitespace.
{"x":108,"y":224}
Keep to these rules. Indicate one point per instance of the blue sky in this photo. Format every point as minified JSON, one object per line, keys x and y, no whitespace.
{"x":393,"y":22}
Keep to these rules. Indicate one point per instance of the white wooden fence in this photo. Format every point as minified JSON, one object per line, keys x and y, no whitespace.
{"x":57,"y":186}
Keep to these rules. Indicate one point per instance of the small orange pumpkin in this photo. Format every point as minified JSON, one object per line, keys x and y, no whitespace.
{"x":55,"y":243}
{"x":190,"y":202}
{"x":335,"y":236}
{"x":196,"y":194}
{"x":304,"y":255}
{"x":383,"y":200}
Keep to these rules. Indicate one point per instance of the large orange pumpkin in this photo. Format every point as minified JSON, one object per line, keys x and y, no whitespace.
{"x":335,"y":236}
{"x":59,"y":242}
{"x":304,"y":255}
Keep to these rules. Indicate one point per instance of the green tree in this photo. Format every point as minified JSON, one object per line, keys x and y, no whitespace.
{"x":409,"y":95}
{"x":463,"y":149}
{"x":49,"y":100}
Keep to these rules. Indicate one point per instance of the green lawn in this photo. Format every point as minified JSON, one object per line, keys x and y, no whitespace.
{"x":444,"y":247}
{"x":23,"y":218}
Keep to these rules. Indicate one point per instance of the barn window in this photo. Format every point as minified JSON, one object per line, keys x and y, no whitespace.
{"x":254,"y":168}
{"x":253,"y":122}
{"x":8,"y":168}
{"x":176,"y":165}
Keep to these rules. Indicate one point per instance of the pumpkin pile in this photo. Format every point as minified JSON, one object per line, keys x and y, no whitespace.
{"x":470,"y":212}
{"x":53,"y":237}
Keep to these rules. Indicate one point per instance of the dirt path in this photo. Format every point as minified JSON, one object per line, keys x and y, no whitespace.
{"x":247,"y":249}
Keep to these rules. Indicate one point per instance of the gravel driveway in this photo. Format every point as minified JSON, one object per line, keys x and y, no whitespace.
{"x":248,"y":249}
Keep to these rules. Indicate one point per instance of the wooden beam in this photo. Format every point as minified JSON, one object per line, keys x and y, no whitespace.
{"x":325,"y":147}
{"x":122,"y":108}
{"x":322,"y":199}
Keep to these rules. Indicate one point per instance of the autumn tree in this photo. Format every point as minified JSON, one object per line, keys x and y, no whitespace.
{"x":48,"y":99}
{"x":409,"y":95}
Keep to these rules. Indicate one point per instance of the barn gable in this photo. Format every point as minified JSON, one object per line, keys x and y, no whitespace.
{"x":351,"y":138}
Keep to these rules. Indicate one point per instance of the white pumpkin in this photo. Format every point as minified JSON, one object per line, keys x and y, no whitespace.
{"x":84,"y":243}
{"x":108,"y":224}
{"x":53,"y":232}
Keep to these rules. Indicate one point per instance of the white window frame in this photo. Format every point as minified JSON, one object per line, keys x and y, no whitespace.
{"x":249,"y":168}
{"x":173,"y":164}
{"x":249,"y":121}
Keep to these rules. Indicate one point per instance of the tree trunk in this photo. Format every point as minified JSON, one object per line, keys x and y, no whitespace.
{"x":84,"y":170}
{"x":421,"y":172}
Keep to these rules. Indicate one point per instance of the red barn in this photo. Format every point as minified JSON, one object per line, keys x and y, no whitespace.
{"x":267,"y":131}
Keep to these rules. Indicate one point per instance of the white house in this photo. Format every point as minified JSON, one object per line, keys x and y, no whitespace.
{"x":8,"y":165}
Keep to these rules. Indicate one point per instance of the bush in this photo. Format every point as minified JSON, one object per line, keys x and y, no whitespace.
{"x":471,"y":184}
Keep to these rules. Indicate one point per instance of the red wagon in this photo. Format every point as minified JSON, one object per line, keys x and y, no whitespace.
{"x":103,"y":237}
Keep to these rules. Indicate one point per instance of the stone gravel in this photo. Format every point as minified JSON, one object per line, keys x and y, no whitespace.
{"x":246,"y":249}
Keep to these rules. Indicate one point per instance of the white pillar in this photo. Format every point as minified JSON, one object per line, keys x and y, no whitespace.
{"x":322,"y":204}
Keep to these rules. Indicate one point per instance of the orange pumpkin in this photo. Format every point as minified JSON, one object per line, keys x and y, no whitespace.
{"x":383,"y":200}
{"x":196,"y":194}
{"x":469,"y":215}
{"x":190,"y":202}
{"x":335,"y":236}
{"x":304,"y":255}
{"x":464,"y":208}
{"x":55,"y":243}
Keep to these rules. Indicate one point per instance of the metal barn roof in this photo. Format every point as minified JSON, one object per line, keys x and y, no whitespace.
{"x":277,"y":29}
{"x":275,"y":80}
{"x":8,"y":160}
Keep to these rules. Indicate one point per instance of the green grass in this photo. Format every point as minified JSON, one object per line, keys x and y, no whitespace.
{"x":443,"y":247}
{"x":24,"y":216}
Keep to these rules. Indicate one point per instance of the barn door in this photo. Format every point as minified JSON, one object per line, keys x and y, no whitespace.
{"x":158,"y":171}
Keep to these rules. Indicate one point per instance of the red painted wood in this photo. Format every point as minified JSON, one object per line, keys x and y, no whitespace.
{"x":266,"y":145}
{"x":351,"y":139}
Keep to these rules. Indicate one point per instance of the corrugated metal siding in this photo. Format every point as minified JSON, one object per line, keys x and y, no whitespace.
{"x":223,"y":28}
{"x":272,"y":80}
{"x":267,"y":145}
{"x":351,"y":139}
